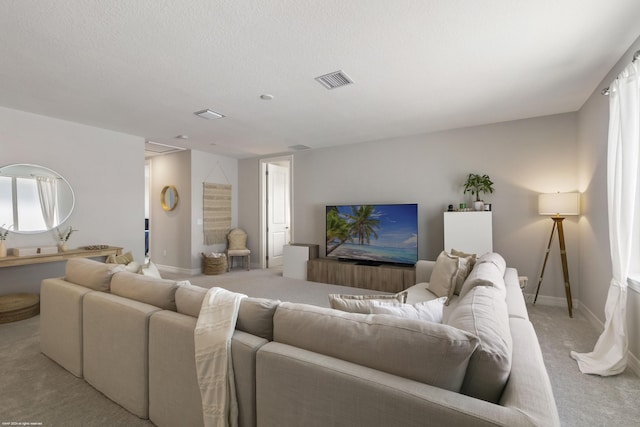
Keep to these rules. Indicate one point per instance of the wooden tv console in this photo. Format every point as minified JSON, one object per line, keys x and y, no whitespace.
{"x":386,"y":278}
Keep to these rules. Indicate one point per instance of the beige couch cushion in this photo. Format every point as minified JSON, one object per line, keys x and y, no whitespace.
{"x":363,"y":303}
{"x":483,"y":312}
{"x":409,"y":348}
{"x":149,"y":290}
{"x":255,"y":315}
{"x":91,"y":274}
{"x":484,"y":274}
{"x":189,"y":299}
{"x":495,"y":259}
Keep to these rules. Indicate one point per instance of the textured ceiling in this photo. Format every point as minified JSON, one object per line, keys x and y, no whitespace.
{"x":143,"y":67}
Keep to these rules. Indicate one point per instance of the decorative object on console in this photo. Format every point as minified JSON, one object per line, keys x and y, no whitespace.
{"x":558,"y":204}
{"x":94,"y":247}
{"x":63,"y":238}
{"x":4,"y":232}
{"x":477,"y":184}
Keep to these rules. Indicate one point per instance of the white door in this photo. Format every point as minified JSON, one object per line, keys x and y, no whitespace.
{"x":278,"y":207}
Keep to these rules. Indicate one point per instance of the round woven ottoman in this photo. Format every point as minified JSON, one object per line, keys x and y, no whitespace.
{"x":14,"y":307}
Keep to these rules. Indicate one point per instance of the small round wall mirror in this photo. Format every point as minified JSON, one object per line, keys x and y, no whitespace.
{"x":169,"y":198}
{"x":33,"y":199}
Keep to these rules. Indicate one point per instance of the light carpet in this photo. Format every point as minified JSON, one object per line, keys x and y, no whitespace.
{"x":36,"y":390}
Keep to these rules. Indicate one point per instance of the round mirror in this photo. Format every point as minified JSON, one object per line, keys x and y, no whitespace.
{"x":169,"y":198}
{"x":33,"y":199}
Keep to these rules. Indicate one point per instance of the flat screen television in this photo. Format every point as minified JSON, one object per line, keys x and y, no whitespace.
{"x":373,"y":234}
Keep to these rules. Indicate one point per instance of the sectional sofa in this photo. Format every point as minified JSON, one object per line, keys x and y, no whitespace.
{"x":131,"y":337}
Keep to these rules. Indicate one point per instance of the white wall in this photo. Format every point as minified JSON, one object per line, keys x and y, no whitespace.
{"x":105,"y":170}
{"x":595,"y":260}
{"x":523,"y":158}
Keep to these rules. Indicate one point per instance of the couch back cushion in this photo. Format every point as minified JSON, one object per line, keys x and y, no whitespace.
{"x":484,"y":274}
{"x":255,"y":315}
{"x":149,"y":290}
{"x":189,"y":299}
{"x":91,"y":274}
{"x":427,"y":352}
{"x":483,"y":312}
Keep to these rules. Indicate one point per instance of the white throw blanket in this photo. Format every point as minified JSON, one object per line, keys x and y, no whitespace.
{"x":214,"y":367}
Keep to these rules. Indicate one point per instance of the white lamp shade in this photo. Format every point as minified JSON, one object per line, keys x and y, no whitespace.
{"x":559,"y":204}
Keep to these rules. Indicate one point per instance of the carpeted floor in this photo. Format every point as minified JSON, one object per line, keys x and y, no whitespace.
{"x":36,"y":390}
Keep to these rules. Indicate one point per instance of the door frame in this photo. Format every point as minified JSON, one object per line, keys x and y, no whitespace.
{"x":282,"y":161}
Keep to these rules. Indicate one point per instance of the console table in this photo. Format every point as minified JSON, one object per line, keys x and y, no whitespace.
{"x":12,"y":260}
{"x":385,"y":278}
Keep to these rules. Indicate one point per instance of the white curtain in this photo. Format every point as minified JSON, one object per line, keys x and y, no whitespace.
{"x":609,"y":356}
{"x":48,"y":194}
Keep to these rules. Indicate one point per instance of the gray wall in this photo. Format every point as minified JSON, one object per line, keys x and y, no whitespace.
{"x":524,"y":158}
{"x":105,"y":170}
{"x":170,"y":231}
{"x":595,"y":258}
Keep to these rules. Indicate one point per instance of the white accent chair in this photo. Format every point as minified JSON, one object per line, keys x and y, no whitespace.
{"x":237,"y":247}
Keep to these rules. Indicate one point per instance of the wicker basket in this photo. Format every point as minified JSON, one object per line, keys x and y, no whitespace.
{"x":214,"y":265}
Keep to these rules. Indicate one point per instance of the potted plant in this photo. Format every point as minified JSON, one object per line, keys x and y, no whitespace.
{"x":477,"y":184}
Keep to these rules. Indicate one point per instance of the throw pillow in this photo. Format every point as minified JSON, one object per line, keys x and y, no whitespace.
{"x":133,"y":267}
{"x":362,"y":303}
{"x":119,"y":259}
{"x":150,"y":269}
{"x":465,"y":265}
{"x":430,"y":311}
{"x":443,"y":275}
{"x":472,"y":257}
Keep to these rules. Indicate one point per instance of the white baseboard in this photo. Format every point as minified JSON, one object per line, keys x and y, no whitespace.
{"x":551,"y":301}
{"x":632,"y":361}
{"x":177,"y":270}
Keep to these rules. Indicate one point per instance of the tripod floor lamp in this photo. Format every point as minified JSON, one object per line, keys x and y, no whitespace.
{"x":558,"y":204}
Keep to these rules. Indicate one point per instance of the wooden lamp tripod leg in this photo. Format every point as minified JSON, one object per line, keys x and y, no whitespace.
{"x":565,"y":268}
{"x":557,"y":222}
{"x":546,"y":257}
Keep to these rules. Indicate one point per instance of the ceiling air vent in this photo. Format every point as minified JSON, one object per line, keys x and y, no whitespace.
{"x":334,"y":80}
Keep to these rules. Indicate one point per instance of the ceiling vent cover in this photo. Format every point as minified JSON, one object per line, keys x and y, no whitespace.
{"x":334,"y":80}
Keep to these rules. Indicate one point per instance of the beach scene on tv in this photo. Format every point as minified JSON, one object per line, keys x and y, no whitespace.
{"x":375,"y":233}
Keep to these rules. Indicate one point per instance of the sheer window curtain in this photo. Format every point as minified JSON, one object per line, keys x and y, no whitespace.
{"x":48,"y":194}
{"x":609,"y":356}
